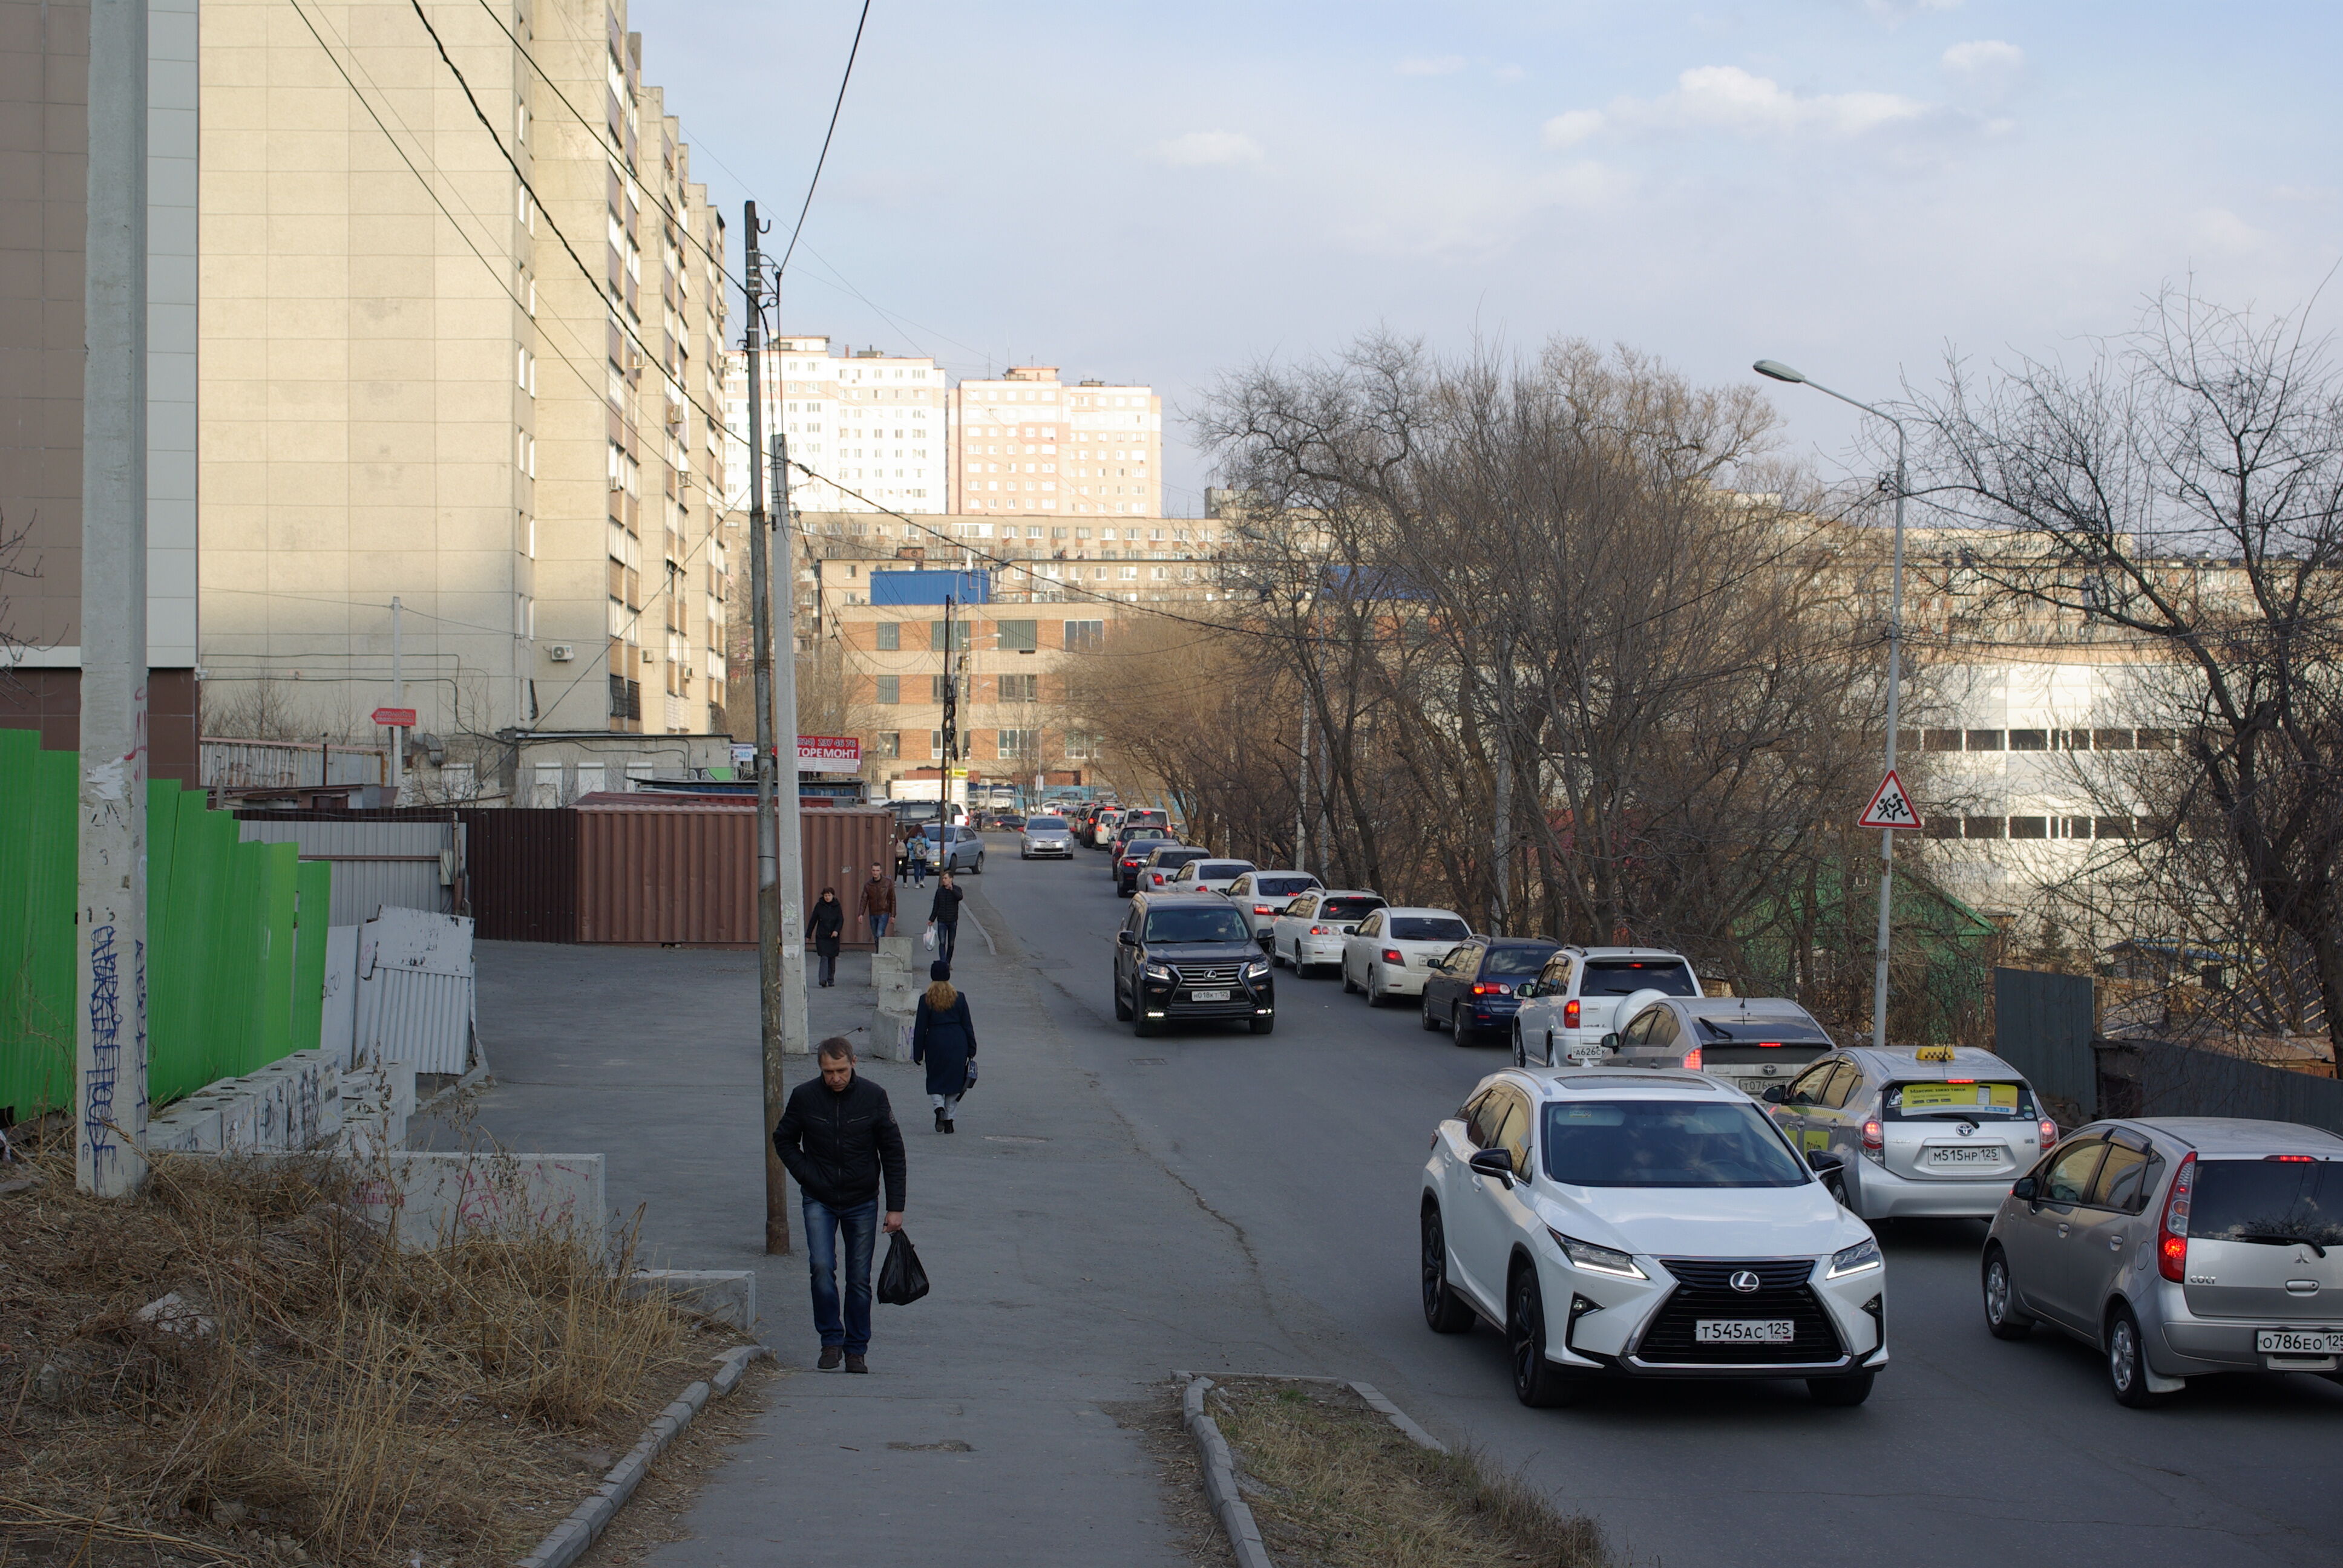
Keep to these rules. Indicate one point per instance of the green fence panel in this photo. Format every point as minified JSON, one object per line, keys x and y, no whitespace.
{"x":312,"y":908}
{"x":38,"y":885}
{"x":280,"y":868}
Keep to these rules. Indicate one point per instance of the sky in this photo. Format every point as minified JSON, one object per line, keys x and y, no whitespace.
{"x":1167,"y":192}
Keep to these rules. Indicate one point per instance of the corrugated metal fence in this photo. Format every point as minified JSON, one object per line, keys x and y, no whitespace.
{"x":2042,"y":1026}
{"x":2161,"y":1078}
{"x":378,"y":862}
{"x":237,"y":765}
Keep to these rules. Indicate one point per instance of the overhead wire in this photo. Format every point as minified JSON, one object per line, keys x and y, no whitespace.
{"x":836,"y":106}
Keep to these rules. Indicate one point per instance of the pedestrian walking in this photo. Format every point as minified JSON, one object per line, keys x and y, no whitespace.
{"x":918,"y":852}
{"x":838,"y":1138}
{"x":879,"y":901}
{"x":943,"y":916}
{"x":825,"y":923}
{"x":944,"y":1037}
{"x":903,"y":852}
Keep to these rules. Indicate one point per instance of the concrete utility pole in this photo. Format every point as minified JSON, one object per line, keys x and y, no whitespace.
{"x":769,"y":886}
{"x":790,"y":832}
{"x":397,"y":700}
{"x":110,"y":914}
{"x":951,"y":737}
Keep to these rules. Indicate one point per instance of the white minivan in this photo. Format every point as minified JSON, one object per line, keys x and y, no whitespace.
{"x":1574,"y":1002}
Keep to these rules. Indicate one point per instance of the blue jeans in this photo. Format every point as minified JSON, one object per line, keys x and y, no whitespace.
{"x":860,"y":1225}
{"x":947,"y":938}
{"x":878,"y":924}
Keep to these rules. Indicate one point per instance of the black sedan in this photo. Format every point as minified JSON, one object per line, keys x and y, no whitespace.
{"x":1475,"y":989}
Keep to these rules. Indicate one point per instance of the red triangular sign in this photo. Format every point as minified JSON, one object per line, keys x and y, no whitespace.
{"x":1890,"y":807}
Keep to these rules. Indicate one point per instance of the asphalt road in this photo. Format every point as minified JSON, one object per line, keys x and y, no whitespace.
{"x":1971,"y":1450}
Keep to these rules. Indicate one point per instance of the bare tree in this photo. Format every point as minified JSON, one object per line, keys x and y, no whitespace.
{"x":2183,"y":489}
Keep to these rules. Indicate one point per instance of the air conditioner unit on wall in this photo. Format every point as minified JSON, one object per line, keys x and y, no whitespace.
{"x":561,"y":653}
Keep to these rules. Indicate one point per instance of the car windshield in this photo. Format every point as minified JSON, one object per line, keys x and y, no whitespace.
{"x":1283,"y":887}
{"x":1425,"y":929}
{"x":1666,"y":1143}
{"x":2240,"y":1199}
{"x":1045,"y":824}
{"x":1516,"y":961}
{"x":1624,"y":977}
{"x":1350,"y":908}
{"x":1939,"y":1100}
{"x":1203,"y":920}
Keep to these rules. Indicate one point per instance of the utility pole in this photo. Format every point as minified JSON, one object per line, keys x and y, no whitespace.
{"x":397,"y":700}
{"x":769,"y":887}
{"x":110,"y":915}
{"x":951,"y":737}
{"x":790,"y":871}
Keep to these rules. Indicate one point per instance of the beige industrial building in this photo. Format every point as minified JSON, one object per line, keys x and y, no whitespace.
{"x":472,"y":367}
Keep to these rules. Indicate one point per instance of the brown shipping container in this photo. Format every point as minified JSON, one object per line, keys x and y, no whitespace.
{"x":685,"y":874}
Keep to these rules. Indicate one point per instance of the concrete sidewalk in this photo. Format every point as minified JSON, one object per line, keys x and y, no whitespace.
{"x":1069,"y":1268}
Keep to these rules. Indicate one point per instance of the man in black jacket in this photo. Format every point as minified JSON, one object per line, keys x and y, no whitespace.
{"x":943,"y":915}
{"x":839,"y":1138}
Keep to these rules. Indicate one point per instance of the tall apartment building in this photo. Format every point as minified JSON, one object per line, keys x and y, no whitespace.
{"x":871,"y":425}
{"x":44,"y":139}
{"x":1030,"y":444}
{"x":470,"y":367}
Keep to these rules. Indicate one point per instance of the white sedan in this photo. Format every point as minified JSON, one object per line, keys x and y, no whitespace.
{"x":1392,"y":949}
{"x":1645,"y":1224}
{"x":1261,"y":896}
{"x":1309,"y":930}
{"x":1207,"y":876}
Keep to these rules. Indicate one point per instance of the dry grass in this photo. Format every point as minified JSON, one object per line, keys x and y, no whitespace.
{"x":1333,"y":1484}
{"x":345,"y":1400}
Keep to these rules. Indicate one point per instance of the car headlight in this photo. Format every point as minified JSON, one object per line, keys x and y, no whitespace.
{"x":1858,"y":1259}
{"x":1596,"y":1260}
{"x":1257,"y":969}
{"x":1158,"y":972}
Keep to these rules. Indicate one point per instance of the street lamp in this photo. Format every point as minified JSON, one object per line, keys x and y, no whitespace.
{"x":1780,"y":372}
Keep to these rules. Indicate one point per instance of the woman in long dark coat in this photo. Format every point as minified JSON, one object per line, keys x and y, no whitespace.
{"x":943,"y":1036}
{"x":825,"y":923}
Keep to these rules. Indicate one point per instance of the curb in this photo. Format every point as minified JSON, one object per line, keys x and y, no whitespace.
{"x":568,"y":1540}
{"x":1237,"y":1522}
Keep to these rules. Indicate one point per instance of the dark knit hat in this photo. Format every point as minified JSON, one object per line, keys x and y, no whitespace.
{"x":939,"y":971}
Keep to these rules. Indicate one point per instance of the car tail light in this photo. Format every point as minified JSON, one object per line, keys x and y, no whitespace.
{"x":1570,"y":1013}
{"x":1321,"y":930}
{"x":1262,"y":910}
{"x":1483,"y":987}
{"x":1692,"y":1059}
{"x":2294,"y":1159}
{"x":2049,"y":1133}
{"x":2172,"y":1226}
{"x":1393,"y":956}
{"x":1875,"y":1142}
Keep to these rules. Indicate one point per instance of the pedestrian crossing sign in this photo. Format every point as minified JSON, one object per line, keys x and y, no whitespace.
{"x":1890,"y":807}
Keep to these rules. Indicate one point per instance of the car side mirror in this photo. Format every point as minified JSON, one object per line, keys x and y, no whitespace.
{"x":2025,"y":1188}
{"x":1610,"y":1042}
{"x":1776,"y":1094}
{"x":1823,"y":1161}
{"x":1494,"y":1163}
{"x":1128,"y":938}
{"x":1526,"y":989}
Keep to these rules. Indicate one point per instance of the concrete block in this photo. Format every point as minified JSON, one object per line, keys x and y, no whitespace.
{"x":727,"y":1295}
{"x":891,"y":1034}
{"x":433,"y":1198}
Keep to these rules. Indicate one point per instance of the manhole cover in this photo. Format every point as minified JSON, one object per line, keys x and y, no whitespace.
{"x":1146,"y":1061}
{"x":1011,"y":1138}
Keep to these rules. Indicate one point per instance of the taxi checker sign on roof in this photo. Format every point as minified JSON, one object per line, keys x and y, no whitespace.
{"x":1890,"y":807}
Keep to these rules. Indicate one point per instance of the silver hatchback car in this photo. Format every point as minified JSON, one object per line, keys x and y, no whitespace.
{"x":2178,"y":1246}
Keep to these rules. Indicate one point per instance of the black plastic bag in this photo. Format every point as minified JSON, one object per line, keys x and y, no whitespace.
{"x":901,"y":1281}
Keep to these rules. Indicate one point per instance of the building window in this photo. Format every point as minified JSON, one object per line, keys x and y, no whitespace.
{"x":1021,"y":689}
{"x":1984,"y":740}
{"x":1085,"y":636}
{"x":1016,"y":744}
{"x":1081,"y":746}
{"x":1018,"y":636}
{"x":935,"y":745}
{"x":1982,"y":827}
{"x":960,"y":636}
{"x":891,"y":637}
{"x":890,"y":690}
{"x":2029,"y":740}
{"x":888,"y":745}
{"x":2029,"y":827}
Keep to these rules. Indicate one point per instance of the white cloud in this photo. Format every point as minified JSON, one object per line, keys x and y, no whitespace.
{"x":1985,"y":65}
{"x":1730,"y":99}
{"x":1567,"y":130}
{"x":1903,"y":10}
{"x":2219,"y":230}
{"x":1200,"y":149}
{"x":1432,"y":65}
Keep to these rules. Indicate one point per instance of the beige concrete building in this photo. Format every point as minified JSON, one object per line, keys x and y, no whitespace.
{"x":470,"y":367}
{"x":1028,"y":444}
{"x":871,"y":425}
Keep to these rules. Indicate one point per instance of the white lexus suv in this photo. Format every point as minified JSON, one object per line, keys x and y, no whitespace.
{"x":1645,"y":1224}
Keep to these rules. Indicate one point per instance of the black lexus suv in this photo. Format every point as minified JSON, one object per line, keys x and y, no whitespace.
{"x":1184,"y":957}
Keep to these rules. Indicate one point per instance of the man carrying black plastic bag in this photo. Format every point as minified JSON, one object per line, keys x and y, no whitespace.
{"x":839,"y":1140}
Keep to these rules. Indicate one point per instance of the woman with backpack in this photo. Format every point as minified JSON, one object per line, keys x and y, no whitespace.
{"x":943,"y":1036}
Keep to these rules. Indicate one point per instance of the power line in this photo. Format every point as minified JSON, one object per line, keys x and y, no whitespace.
{"x":815,"y":183}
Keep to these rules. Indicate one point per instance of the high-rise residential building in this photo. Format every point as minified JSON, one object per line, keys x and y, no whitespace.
{"x":1029,"y":443}
{"x":461,"y":344}
{"x":43,"y":109}
{"x":871,"y":424}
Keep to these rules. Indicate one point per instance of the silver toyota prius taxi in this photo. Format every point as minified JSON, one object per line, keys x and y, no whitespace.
{"x":1646,"y":1223}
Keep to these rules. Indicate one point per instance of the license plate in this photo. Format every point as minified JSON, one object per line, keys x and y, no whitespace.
{"x":1974,"y":1155}
{"x":2295,"y":1343}
{"x":1744,"y":1331}
{"x":1208,"y":996}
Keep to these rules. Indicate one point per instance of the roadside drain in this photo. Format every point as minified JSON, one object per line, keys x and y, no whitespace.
{"x":1147,"y":1062}
{"x":950,"y":1445}
{"x":1012,"y":1138}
